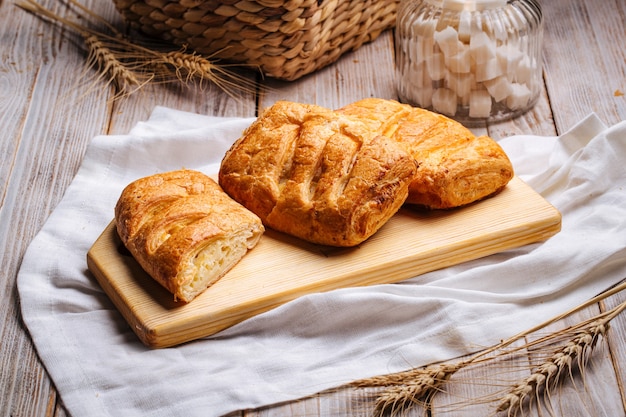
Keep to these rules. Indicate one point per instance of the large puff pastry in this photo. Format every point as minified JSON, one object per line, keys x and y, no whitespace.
{"x":184,"y":230}
{"x":317,"y":175}
{"x":455,"y":167}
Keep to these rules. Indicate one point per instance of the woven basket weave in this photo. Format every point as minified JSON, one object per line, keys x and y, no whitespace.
{"x":286,"y":39}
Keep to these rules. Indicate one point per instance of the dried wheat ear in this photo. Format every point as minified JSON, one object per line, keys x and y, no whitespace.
{"x":574,"y":346}
{"x":127,"y":65}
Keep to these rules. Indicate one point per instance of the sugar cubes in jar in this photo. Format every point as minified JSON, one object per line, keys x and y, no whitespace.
{"x":472,"y":60}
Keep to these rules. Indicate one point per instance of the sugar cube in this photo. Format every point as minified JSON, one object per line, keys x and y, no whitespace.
{"x":435,"y":63}
{"x":479,"y":104}
{"x":459,"y":62}
{"x":461,"y":84}
{"x":499,"y":88}
{"x":448,"y":41}
{"x":488,"y":70}
{"x":482,"y":47}
{"x":519,"y":97}
{"x":444,"y":101}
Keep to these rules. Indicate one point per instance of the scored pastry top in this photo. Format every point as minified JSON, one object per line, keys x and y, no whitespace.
{"x":317,"y":174}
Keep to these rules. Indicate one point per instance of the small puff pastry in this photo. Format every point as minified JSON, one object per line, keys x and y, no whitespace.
{"x":317,"y":175}
{"x":455,"y":167}
{"x":184,"y":230}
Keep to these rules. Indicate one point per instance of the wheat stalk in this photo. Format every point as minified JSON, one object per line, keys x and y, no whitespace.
{"x":191,"y":66}
{"x":550,"y":372}
{"x":419,"y":385}
{"x":100,"y":53}
{"x":111,"y":68}
{"x":416,"y":386}
{"x":129,"y":66}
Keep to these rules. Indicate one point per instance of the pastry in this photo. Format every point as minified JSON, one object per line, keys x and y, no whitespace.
{"x":455,"y":167}
{"x":316,"y":174}
{"x":184,"y":230}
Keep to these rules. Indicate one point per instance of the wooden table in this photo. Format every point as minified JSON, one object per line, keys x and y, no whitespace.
{"x":47,"y":121}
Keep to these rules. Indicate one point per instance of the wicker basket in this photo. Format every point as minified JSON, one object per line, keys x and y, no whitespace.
{"x":286,"y":39}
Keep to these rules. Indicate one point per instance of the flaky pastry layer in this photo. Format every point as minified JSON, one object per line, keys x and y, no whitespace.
{"x":455,"y":167}
{"x":184,"y":230}
{"x":317,"y":175}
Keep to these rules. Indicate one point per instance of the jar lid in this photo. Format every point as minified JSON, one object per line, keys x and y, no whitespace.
{"x":469,"y":5}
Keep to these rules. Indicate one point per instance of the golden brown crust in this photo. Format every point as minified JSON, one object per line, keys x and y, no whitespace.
{"x":455,"y":167}
{"x":317,"y":175}
{"x":184,"y":230}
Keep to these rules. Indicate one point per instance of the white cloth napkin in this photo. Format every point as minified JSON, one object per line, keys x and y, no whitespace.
{"x":323,"y":340}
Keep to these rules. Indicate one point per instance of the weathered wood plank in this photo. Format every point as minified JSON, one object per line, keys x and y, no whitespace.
{"x":615,"y":340}
{"x":585,"y":60}
{"x":42,"y":147}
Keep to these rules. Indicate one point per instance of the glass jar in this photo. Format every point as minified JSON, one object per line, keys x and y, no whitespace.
{"x":475,"y":61}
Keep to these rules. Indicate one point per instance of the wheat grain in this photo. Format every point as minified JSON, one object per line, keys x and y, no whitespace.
{"x":188,"y":67}
{"x":408,"y":388}
{"x":547,"y":375}
{"x":419,"y":385}
{"x":102,"y":57}
{"x":129,"y":65}
{"x":398,"y":378}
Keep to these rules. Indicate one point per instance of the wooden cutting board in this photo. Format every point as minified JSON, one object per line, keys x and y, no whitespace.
{"x":281,"y":268}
